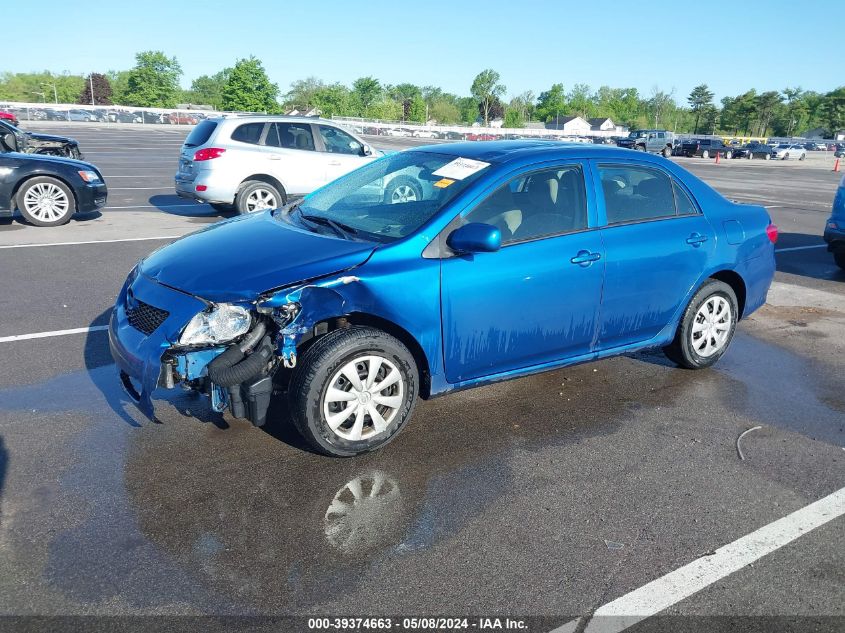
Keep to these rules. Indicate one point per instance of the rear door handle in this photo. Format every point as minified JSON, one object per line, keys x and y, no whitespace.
{"x":585,"y":258}
{"x":696,"y":239}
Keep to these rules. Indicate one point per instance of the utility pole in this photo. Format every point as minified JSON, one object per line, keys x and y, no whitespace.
{"x":55,"y":93}
{"x":91,"y":84}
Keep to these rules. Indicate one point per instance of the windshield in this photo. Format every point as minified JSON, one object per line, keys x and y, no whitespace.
{"x":637,"y":134}
{"x":391,"y":197}
{"x":783,"y":146}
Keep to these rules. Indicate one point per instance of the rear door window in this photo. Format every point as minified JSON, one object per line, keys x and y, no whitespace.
{"x":634,"y":193}
{"x":248,"y":133}
{"x":291,"y":136}
{"x":200,"y":134}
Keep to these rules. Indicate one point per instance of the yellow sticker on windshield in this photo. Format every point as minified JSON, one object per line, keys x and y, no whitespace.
{"x":443,"y":183}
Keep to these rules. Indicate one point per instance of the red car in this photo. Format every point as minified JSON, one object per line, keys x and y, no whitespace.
{"x":8,"y":116}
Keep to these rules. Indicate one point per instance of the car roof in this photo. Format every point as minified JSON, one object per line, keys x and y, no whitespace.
{"x":263,"y":118}
{"x":499,"y":151}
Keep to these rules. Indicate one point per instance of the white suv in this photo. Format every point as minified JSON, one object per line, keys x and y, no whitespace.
{"x":253,"y":163}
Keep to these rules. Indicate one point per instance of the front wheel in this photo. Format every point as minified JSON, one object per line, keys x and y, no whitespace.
{"x":667,"y":152}
{"x":705,"y":154}
{"x":353,"y":391}
{"x":45,"y":201}
{"x":802,"y":157}
{"x":767,"y":157}
{"x":785,"y":157}
{"x":257,"y":195}
{"x":728,"y":155}
{"x":706,"y":328}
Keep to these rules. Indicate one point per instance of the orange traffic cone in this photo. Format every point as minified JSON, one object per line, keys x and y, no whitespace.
{"x":717,"y":157}
{"x":836,"y":165}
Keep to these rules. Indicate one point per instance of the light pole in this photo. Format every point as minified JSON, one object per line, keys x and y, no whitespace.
{"x":91,"y":84}
{"x":42,"y":95}
{"x":55,"y":92}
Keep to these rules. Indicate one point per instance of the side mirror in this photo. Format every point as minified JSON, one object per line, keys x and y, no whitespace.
{"x":475,"y":237}
{"x":366,"y":150}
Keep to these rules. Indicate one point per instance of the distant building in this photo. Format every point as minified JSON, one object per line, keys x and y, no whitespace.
{"x":570,"y":125}
{"x":601,"y":124}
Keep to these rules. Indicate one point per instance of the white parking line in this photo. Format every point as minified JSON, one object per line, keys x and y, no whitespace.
{"x":680,"y":584}
{"x":799,"y":248}
{"x":127,"y":239}
{"x":79,"y":330}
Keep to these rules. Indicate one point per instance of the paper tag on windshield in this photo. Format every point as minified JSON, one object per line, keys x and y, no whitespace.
{"x":443,"y":183}
{"x":460,"y":168}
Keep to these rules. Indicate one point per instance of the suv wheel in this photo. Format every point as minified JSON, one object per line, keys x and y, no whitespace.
{"x":353,"y":391}
{"x":403,"y":189}
{"x":45,"y":201}
{"x":667,"y":152}
{"x":257,"y":195}
{"x":706,"y":328}
{"x":705,"y":154}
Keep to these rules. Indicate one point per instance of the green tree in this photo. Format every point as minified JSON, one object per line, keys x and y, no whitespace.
{"x":154,"y":81}
{"x":333,"y":100}
{"x":766,"y":104}
{"x":366,"y":91}
{"x":513,"y":118}
{"x":102,"y":90}
{"x":796,"y":110}
{"x":208,"y":90}
{"x":486,"y":89}
{"x":551,"y":103}
{"x":699,"y":99}
{"x":834,"y":110}
{"x":418,"y":111}
{"x":580,"y":101}
{"x":444,"y":112}
{"x":248,"y":88}
{"x":661,"y":106}
{"x":468,"y":109}
{"x":302,"y":92}
{"x":386,"y":109}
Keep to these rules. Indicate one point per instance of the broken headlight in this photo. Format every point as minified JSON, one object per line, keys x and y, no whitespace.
{"x":220,"y":324}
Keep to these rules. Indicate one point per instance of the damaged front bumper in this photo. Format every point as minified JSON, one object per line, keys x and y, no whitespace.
{"x":147,"y":354}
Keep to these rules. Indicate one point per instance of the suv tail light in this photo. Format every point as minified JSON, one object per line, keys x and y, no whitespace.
{"x":207,"y":153}
{"x":772,"y":232}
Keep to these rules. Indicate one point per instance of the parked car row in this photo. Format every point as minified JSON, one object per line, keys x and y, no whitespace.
{"x":102,"y":115}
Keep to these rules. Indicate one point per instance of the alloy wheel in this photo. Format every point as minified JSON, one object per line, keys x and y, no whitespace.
{"x":260,"y":200}
{"x":46,"y":202}
{"x":403,"y":193}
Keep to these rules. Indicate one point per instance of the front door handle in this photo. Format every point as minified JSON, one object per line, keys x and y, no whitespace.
{"x":585,"y":258}
{"x":696,"y":239}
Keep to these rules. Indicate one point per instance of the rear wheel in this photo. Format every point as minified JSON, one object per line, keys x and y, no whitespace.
{"x":667,"y":152}
{"x":257,"y":195}
{"x":353,"y":391}
{"x":839,"y":258}
{"x":706,"y":328}
{"x":767,"y":157}
{"x":802,"y":157}
{"x":403,"y":189}
{"x":45,"y":201}
{"x":728,"y":155}
{"x":785,"y":156}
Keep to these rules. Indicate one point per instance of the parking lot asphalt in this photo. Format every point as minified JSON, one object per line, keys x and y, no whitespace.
{"x":545,"y":496}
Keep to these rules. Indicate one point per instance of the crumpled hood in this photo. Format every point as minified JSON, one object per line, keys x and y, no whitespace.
{"x":43,"y":138}
{"x":241,"y":258}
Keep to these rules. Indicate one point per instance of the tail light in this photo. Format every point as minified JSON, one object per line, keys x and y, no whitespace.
{"x":207,"y":153}
{"x":772,"y":232}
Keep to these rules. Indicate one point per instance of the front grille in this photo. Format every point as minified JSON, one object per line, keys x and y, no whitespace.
{"x":146,"y":318}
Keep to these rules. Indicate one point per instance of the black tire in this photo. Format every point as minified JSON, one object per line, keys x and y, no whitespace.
{"x":667,"y":152}
{"x":40,"y":221}
{"x":223,"y":208}
{"x":705,"y":154}
{"x":681,"y":350}
{"x":767,"y":157}
{"x":243,"y":202}
{"x":639,"y":148}
{"x":403,"y":184}
{"x":803,"y":156}
{"x":839,"y":258}
{"x":317,"y":368}
{"x":728,"y":155}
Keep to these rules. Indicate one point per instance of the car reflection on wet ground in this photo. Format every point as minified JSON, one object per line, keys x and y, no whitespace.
{"x":510,"y":490}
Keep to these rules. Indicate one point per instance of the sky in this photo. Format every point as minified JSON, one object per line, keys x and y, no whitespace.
{"x":730,"y":45}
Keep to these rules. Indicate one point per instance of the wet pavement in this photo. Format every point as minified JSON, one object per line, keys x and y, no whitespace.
{"x":545,"y":496}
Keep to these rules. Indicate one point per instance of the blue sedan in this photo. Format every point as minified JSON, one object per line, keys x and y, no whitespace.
{"x":516,"y":257}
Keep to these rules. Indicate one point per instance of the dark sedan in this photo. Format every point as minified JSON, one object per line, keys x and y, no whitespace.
{"x":48,"y":190}
{"x":754,"y":150}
